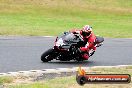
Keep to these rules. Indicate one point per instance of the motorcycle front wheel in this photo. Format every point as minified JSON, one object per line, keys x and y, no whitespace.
{"x":47,"y":55}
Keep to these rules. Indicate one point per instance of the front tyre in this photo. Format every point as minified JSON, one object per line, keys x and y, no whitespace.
{"x":47,"y":55}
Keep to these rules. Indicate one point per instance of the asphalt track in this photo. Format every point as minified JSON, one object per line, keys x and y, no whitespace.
{"x":23,"y":53}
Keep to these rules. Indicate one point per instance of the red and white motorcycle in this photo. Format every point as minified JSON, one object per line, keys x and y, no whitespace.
{"x":67,"y":47}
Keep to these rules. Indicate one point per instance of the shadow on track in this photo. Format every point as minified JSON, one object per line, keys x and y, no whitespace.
{"x":71,"y":63}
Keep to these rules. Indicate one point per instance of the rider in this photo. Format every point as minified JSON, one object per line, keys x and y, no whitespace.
{"x":88,"y":37}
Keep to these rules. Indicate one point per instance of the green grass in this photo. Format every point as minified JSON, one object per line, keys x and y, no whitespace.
{"x":6,"y":79}
{"x":70,"y":82}
{"x":109,"y":18}
{"x":63,"y":83}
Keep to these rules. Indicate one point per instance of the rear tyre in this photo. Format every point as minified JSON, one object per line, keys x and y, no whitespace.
{"x":47,"y":55}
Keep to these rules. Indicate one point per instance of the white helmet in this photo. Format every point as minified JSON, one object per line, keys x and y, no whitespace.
{"x":86,"y":31}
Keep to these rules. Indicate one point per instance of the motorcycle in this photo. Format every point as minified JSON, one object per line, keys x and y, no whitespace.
{"x":67,"y":47}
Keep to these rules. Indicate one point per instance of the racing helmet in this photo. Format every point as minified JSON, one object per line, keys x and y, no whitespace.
{"x":86,"y":31}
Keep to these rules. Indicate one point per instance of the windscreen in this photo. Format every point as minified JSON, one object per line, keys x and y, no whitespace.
{"x":67,"y":37}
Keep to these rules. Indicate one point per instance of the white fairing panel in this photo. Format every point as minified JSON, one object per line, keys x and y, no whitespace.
{"x":60,"y":42}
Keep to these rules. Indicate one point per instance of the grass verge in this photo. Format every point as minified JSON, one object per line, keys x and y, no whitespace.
{"x":6,"y":79}
{"x":109,"y":18}
{"x":70,"y":82}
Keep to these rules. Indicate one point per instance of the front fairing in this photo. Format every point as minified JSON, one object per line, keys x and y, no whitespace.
{"x":66,"y":40}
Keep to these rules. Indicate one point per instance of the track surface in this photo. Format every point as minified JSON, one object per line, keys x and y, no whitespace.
{"x":23,"y":53}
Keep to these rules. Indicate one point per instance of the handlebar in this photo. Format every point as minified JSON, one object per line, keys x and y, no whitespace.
{"x":79,"y":36}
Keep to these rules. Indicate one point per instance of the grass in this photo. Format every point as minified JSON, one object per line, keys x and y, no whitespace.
{"x":70,"y":82}
{"x":111,"y":18}
{"x":6,"y":79}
